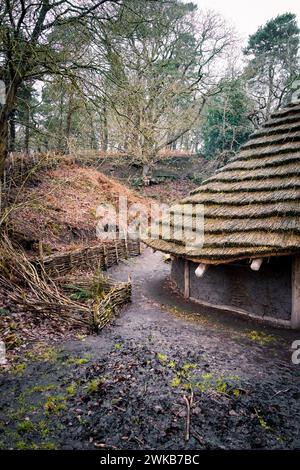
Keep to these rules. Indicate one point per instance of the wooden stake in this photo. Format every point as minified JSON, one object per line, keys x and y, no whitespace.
{"x":295,"y":318}
{"x":186,"y":279}
{"x":105,"y":257}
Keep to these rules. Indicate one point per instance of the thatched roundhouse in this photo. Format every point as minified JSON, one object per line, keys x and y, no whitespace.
{"x":249,"y":261}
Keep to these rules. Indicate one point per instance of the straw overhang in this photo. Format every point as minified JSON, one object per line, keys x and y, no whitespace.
{"x":251,"y":205}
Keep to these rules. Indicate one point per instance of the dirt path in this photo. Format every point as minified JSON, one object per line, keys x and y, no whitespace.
{"x":125,"y":388}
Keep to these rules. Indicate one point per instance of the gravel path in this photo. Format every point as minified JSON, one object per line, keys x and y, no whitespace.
{"x":131,"y":386}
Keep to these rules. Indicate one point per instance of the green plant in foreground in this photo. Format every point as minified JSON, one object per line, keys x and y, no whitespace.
{"x":93,"y":385}
{"x":78,"y":361}
{"x":71,"y":389}
{"x":262,"y":422}
{"x":162,"y":357}
{"x":42,"y":353}
{"x":176,"y":381}
{"x":19,"y":368}
{"x":25,"y":426}
{"x":260,"y":337}
{"x":55,"y":404}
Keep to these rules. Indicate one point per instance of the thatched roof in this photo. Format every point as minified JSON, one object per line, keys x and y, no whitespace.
{"x":251,"y":205}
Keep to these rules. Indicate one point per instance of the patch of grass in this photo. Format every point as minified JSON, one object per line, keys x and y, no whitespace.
{"x":118,"y":346}
{"x":93,"y":385}
{"x":162,"y":357}
{"x":21,"y":445}
{"x":220,"y":384}
{"x":19,"y":368}
{"x":176,"y":381}
{"x":188,"y":366}
{"x":78,"y":361}
{"x":42,"y":388}
{"x":42,"y":353}
{"x":25,"y":426}
{"x":44,"y":429}
{"x":55,"y":404}
{"x":48,"y":446}
{"x":260,"y":337}
{"x":71,"y":389}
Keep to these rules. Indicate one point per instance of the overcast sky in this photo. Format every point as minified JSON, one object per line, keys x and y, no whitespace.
{"x":247,"y":16}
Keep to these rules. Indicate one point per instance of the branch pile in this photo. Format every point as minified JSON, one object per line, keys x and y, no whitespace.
{"x":36,"y":291}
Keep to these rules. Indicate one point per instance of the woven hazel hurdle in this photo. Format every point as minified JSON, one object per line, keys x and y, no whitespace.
{"x":47,"y":296}
{"x":105,"y":310}
{"x":99,"y":256}
{"x":117,"y":294}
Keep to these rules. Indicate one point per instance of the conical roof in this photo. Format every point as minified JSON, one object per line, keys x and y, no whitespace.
{"x":251,"y":205}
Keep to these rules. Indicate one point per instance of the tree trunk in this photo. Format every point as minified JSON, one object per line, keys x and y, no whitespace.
{"x":27,"y":131}
{"x":5,"y":113}
{"x":12,"y":132}
{"x":3,"y":142}
{"x":104,"y":130}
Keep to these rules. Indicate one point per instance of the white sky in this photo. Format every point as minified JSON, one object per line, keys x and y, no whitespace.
{"x":247,"y":16}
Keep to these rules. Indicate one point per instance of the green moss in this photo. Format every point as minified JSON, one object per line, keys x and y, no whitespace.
{"x":42,"y":388}
{"x":21,"y":445}
{"x":48,"y":446}
{"x":118,"y":346}
{"x":78,"y":361}
{"x":44,"y":429}
{"x":188,"y":366}
{"x":186,"y":386}
{"x":55,"y":404}
{"x":161,"y":357}
{"x":176,"y":381}
{"x":93,"y":385}
{"x":42,"y":353}
{"x":71,"y":389}
{"x":219,"y":383}
{"x":221,"y":386}
{"x":172,"y":364}
{"x":260,"y":337}
{"x":19,"y":368}
{"x":25,"y":426}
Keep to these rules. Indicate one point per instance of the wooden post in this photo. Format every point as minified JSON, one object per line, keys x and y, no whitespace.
{"x":126,"y":245}
{"x":105,"y":257}
{"x":186,"y":279}
{"x":295,"y":318}
{"x":117,"y":250}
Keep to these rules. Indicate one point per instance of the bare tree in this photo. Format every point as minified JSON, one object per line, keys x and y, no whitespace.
{"x":163,"y":72}
{"x":33,"y":44}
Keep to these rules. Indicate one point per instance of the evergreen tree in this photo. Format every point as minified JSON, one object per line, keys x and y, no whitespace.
{"x":273,"y":63}
{"x":225,"y":124}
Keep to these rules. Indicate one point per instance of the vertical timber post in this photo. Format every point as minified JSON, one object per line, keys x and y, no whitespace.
{"x":295,"y":318}
{"x":186,"y":279}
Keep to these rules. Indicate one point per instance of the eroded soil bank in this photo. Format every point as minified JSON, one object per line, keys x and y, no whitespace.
{"x":125,"y":388}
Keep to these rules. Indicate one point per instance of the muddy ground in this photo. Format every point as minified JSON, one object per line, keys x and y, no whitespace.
{"x":131,"y":386}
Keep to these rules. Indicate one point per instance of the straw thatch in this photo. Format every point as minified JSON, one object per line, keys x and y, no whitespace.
{"x":251,"y":205}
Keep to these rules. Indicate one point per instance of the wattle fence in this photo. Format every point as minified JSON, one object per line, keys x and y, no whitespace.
{"x":95,"y":257}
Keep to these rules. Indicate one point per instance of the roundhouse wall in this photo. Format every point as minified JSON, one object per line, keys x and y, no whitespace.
{"x":263,"y":293}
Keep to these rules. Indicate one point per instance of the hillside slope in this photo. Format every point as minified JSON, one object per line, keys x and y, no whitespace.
{"x":58,"y":207}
